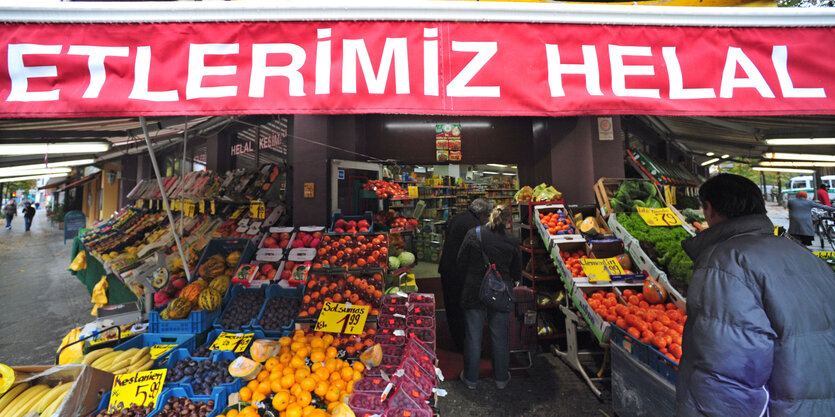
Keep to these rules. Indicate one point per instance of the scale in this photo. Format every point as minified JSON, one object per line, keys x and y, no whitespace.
{"x":153,"y":276}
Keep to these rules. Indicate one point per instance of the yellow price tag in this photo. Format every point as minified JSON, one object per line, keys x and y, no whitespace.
{"x":202,"y":206}
{"x":257,"y":210}
{"x":658,"y":217}
{"x":140,"y":203}
{"x":159,"y":350}
{"x":824,"y":255}
{"x":340,"y":318}
{"x":238,"y":212}
{"x":413,"y":191}
{"x":141,"y":388}
{"x":235,"y":342}
{"x":189,"y":208}
{"x":601,"y":269}
{"x":213,"y":208}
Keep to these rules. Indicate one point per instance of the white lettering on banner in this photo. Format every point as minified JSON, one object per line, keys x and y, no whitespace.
{"x":260,"y":71}
{"x":197,"y":69}
{"x":395,"y":50}
{"x":272,"y":141}
{"x":458,"y":86}
{"x":20,"y":73}
{"x":677,"y":90}
{"x":556,"y":69}
{"x":430,"y":63}
{"x":729,"y":81}
{"x":780,"y":58}
{"x":242,"y":148}
{"x":95,"y":63}
{"x":141,"y":79}
{"x":621,"y":70}
{"x":323,"y":62}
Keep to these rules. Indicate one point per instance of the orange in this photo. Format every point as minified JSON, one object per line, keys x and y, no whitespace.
{"x":262,"y":376}
{"x":317,"y":342}
{"x":252,"y":385}
{"x":339,"y":384}
{"x":332,"y":394}
{"x":294,"y":410}
{"x":331,"y":365}
{"x":297,"y":362}
{"x":285,"y":358}
{"x":347,"y":373}
{"x":319,"y":413}
{"x":332,"y":405}
{"x":245,"y":394}
{"x":308,"y":384}
{"x":281,"y":400}
{"x":264,"y":388}
{"x":358,"y":366}
{"x":275,"y":385}
{"x":275,"y":374}
{"x":321,"y":389}
{"x":287,"y":381}
{"x":288,"y":371}
{"x":357,"y":376}
{"x":331,"y":352}
{"x":301,"y":374}
{"x":295,"y":346}
{"x":303,"y":352}
{"x":270,"y":364}
{"x":350,"y":387}
{"x":317,"y":356}
{"x":327,"y":339}
{"x":296,"y":390}
{"x":304,"y":399}
{"x":323,"y":374}
{"x":317,"y":365}
{"x":232,"y":413}
{"x":336,"y":376}
{"x":258,"y":397}
{"x":306,"y":411}
{"x":285,"y":341}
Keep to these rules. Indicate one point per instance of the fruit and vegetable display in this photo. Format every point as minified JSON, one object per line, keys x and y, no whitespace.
{"x":633,"y":194}
{"x":358,"y":289}
{"x":542,"y":192}
{"x":185,"y":407}
{"x":351,"y":226}
{"x":695,"y":218}
{"x":385,"y":189}
{"x":41,"y":398}
{"x":242,"y":309}
{"x":352,"y":251}
{"x":557,"y":222}
{"x":572,"y":262}
{"x":279,"y":312}
{"x":392,"y":220}
{"x":235,"y":185}
{"x":201,"y":375}
{"x":663,"y":245}
{"x":132,"y":411}
{"x":118,"y":362}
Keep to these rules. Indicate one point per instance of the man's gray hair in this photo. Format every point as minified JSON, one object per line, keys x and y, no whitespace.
{"x":481,"y":206}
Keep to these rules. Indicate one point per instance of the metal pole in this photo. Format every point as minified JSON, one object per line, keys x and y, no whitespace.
{"x":164,"y":197}
{"x":183,"y":173}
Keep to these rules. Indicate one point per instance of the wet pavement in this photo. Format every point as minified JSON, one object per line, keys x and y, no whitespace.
{"x":39,"y":300}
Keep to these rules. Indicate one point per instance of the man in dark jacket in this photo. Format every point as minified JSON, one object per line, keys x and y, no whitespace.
{"x":760,"y":333}
{"x":452,"y":274}
{"x":800,"y":217}
{"x":28,"y":215}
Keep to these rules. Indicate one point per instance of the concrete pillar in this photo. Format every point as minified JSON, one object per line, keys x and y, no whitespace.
{"x":129,"y":178}
{"x":572,"y":165}
{"x":608,"y":155}
{"x":310,"y":165}
{"x":218,"y":158}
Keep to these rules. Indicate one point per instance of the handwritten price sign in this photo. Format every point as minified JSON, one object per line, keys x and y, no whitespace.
{"x":257,"y":209}
{"x":235,"y":342}
{"x":601,"y":269}
{"x":159,"y":350}
{"x":340,"y":318}
{"x":658,"y":217}
{"x":824,"y":255}
{"x":141,"y":388}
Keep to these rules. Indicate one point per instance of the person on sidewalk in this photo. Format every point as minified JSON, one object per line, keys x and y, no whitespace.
{"x":800,"y":217}
{"x":759,"y":339}
{"x":823,"y":195}
{"x":452,"y":272}
{"x":10,"y":209}
{"x":502,"y":249}
{"x":28,"y":215}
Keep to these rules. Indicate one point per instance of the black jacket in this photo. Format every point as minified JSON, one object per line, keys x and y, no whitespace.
{"x":760,"y":328}
{"x":457,"y":228}
{"x":502,"y":249}
{"x":29,"y":212}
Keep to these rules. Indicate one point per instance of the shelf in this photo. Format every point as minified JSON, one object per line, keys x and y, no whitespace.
{"x":501,"y":189}
{"x":541,"y":278}
{"x":535,"y":251}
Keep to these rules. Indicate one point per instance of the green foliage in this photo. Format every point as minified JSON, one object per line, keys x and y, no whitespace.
{"x":14,"y":186}
{"x":665,"y":240}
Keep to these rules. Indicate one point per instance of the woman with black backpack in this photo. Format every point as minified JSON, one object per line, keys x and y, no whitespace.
{"x":492,"y":257}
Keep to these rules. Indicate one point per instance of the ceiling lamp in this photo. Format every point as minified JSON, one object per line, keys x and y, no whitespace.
{"x":32,"y":177}
{"x":796,"y":164}
{"x":489,"y":172}
{"x":710,"y":154}
{"x":725,"y":156}
{"x":53,"y":148}
{"x":710,"y":161}
{"x":805,"y":171}
{"x":799,"y":156}
{"x":30,"y":172}
{"x":800,"y":141}
{"x":497,"y":165}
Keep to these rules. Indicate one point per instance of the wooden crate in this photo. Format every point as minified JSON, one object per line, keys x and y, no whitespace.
{"x":605,"y":188}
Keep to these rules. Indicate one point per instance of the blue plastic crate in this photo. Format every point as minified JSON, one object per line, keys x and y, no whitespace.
{"x":367,"y":216}
{"x":196,"y":322}
{"x":218,"y":395}
{"x":185,"y":341}
{"x":225,"y":247}
{"x":275,"y":291}
{"x":234,"y":292}
{"x":646,"y":354}
{"x":213,"y":334}
{"x":105,"y":400}
{"x":180,"y":354}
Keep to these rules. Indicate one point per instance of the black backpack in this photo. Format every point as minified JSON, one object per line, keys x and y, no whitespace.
{"x":494,"y":292}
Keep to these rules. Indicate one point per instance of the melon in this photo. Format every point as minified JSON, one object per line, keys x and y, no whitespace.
{"x":406,"y":259}
{"x":394,"y":262}
{"x":372,"y":357}
{"x":654,"y":293}
{"x":244,"y":368}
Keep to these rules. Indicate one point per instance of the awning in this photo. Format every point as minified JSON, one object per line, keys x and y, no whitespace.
{"x":82,"y":181}
{"x":54,"y":182}
{"x":456,"y":58}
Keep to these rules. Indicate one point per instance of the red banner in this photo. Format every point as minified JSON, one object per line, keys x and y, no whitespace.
{"x":61,"y":70}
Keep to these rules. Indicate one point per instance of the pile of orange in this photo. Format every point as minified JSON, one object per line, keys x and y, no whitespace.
{"x":294,"y":383}
{"x":556,"y":221}
{"x":357,"y":289}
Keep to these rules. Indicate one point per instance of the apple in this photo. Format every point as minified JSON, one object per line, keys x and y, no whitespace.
{"x":363,"y":223}
{"x":352,"y":224}
{"x":338,"y":230}
{"x":284,"y":236}
{"x":307,"y":239}
{"x":270,"y":243}
{"x":317,"y":235}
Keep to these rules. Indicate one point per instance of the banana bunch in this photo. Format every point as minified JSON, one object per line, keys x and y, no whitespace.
{"x":24,"y":398}
{"x":119,"y":361}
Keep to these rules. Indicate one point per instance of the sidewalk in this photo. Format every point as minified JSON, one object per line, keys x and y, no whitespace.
{"x":40,"y":300}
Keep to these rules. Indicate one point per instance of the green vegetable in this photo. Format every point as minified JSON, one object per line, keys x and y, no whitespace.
{"x":666,"y":241}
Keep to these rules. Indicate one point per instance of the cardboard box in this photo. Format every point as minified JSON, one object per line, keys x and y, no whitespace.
{"x":86,"y":392}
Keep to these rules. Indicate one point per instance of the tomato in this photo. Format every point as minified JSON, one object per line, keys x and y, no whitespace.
{"x":634,"y":332}
{"x":659,"y":342}
{"x":675,"y":349}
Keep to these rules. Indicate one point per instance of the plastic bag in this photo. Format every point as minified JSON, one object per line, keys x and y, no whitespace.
{"x":99,"y":297}
{"x":80,"y":262}
{"x":72,"y":353}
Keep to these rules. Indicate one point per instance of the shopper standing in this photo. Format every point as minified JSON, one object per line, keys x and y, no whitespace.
{"x":502,"y":249}
{"x":452,"y":272}
{"x":823,"y":195}
{"x":800,"y":217}
{"x":28,"y":215}
{"x":759,"y":339}
{"x":10,"y":209}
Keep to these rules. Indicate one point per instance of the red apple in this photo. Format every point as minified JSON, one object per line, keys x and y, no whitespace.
{"x":270,"y":243}
{"x":284,"y":236}
{"x":284,"y":243}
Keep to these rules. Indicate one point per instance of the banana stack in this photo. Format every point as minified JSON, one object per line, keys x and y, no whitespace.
{"x":119,"y":361}
{"x":24,"y":398}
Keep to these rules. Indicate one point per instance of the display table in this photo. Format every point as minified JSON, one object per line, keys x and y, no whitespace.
{"x":117,"y":292}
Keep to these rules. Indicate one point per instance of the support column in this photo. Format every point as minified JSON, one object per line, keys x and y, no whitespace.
{"x":572,"y":164}
{"x":129,"y":177}
{"x":218,"y":158}
{"x":310,"y":165}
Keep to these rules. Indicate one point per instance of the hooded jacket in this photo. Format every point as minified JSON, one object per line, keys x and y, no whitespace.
{"x":800,"y":216}
{"x":760,"y":333}
{"x":502,"y":248}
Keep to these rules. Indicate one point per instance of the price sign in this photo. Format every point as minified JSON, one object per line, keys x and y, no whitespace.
{"x":601,"y":269}
{"x":257,"y":209}
{"x":340,"y":318}
{"x":658,"y":217}
{"x":235,"y":342}
{"x":413,"y":191}
{"x":156,"y":204}
{"x":159,"y":350}
{"x":824,"y":255}
{"x":189,"y":208}
{"x":238,"y":212}
{"x":141,"y":388}
{"x":202,"y":206}
{"x":212,"y":207}
{"x":140,"y":203}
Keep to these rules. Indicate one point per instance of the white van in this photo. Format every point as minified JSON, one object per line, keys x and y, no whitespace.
{"x":807,"y":183}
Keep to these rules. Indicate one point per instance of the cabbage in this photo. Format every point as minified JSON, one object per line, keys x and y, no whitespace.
{"x":394,"y":263}
{"x":406,"y":258}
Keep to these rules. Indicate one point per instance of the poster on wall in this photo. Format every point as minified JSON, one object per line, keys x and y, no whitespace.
{"x":448,"y":142}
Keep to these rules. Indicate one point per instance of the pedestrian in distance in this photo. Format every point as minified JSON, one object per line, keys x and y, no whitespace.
{"x":28,"y":215}
{"x":501,"y":249}
{"x":759,"y":339}
{"x":10,"y":209}
{"x":452,"y":272}
{"x":823,"y":195}
{"x":800,"y":217}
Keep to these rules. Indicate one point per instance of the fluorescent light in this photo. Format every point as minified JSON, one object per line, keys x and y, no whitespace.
{"x":809,"y":171}
{"x":497,"y":165}
{"x":796,"y":164}
{"x":710,"y":161}
{"x":431,"y":125}
{"x":18,"y":173}
{"x":508,"y":173}
{"x":72,"y":163}
{"x":710,"y":154}
{"x":53,"y":148}
{"x":799,"y":156}
{"x":725,"y":156}
{"x":801,"y":141}
{"x":32,"y":177}
{"x":490,"y":172}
